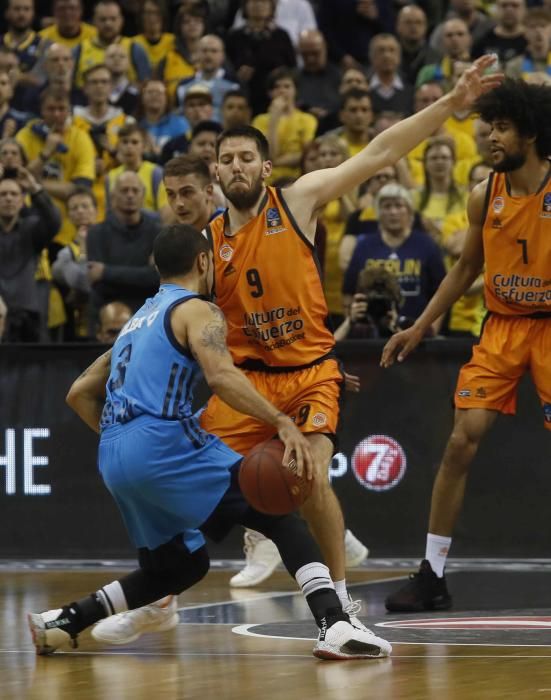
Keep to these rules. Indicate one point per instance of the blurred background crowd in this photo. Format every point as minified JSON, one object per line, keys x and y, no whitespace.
{"x":96,"y":99}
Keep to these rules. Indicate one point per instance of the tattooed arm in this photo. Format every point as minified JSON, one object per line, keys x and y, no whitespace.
{"x":87,"y":393}
{"x":201,"y":327}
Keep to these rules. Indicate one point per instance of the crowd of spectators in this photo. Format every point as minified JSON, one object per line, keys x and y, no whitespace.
{"x":96,"y":99}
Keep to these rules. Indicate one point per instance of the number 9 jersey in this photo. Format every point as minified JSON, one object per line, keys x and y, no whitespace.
{"x":268,"y":284}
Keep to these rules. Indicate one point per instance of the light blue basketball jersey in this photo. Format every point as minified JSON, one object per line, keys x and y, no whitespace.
{"x":151,"y":373}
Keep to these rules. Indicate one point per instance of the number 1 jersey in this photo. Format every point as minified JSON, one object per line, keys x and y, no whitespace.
{"x":268,"y":284}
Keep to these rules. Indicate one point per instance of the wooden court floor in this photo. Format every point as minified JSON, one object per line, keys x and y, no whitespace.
{"x":254,"y":645}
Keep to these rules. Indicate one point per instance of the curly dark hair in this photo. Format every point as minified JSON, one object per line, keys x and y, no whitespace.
{"x":526,"y":105}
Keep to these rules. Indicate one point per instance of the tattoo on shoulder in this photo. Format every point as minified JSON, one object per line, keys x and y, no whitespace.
{"x":214,"y":332}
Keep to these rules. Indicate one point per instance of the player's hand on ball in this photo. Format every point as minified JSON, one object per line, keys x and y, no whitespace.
{"x":297,"y":448}
{"x":400,"y":345}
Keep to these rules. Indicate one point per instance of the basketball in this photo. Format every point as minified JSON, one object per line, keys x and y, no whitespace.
{"x":269,"y":486}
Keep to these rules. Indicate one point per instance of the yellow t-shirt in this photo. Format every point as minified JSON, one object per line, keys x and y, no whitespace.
{"x":468,"y":312}
{"x":77,"y":162}
{"x":333,"y":275}
{"x":436,"y":208}
{"x":92,"y":54}
{"x":353,"y":148}
{"x":51,"y":33}
{"x":173,"y":69}
{"x":465,"y":126}
{"x":465,"y":154}
{"x":155,"y":193}
{"x":111,"y":131}
{"x":156,"y":52}
{"x":294,"y":132}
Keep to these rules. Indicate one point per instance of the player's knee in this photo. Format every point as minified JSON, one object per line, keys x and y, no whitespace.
{"x":176,"y":565}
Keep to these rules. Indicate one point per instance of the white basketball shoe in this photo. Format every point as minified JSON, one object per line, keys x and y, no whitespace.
{"x":126,"y":627}
{"x":355,"y":551}
{"x":49,"y":631}
{"x":344,"y":641}
{"x":261,"y":560}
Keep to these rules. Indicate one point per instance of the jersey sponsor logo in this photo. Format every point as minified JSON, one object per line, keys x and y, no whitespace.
{"x":521,"y":289}
{"x":137,"y":322}
{"x":379,"y":463}
{"x":547,"y":412}
{"x":498,"y":204}
{"x":464,"y":393}
{"x":226,"y":252}
{"x":546,"y":206}
{"x":273,"y":222}
{"x":319,"y":419}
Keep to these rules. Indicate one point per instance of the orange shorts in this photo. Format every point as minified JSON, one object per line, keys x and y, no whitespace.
{"x":508,"y":347}
{"x":309,"y":396}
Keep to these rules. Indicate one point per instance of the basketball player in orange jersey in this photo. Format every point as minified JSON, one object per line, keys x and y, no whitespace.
{"x":510,"y":233}
{"x":268,"y":285}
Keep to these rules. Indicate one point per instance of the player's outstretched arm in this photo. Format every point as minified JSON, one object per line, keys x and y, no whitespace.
{"x":87,"y":393}
{"x":454,"y":285}
{"x":321,"y":186}
{"x":201,"y":327}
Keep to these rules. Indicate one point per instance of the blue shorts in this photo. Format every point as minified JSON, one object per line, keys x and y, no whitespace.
{"x":163,"y":485}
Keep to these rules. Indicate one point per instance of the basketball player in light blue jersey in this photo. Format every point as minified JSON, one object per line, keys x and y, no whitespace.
{"x":172,"y":481}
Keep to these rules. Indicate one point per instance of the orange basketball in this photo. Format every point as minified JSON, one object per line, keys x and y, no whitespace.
{"x":269,"y":486}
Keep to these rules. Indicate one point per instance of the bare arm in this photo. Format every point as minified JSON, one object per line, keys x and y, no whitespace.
{"x":454,"y":285}
{"x":201,"y":326}
{"x":87,"y":393}
{"x":321,"y":186}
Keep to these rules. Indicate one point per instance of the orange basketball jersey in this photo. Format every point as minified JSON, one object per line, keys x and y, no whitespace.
{"x":517,"y":249}
{"x":268,"y":285}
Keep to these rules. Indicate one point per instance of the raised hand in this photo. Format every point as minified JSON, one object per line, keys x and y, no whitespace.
{"x":474,"y":82}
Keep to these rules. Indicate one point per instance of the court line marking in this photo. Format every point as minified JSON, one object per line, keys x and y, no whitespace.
{"x":245,"y":630}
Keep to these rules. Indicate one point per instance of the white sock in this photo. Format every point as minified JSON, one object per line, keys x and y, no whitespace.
{"x":312,"y":577}
{"x":341,"y":591}
{"x":437,"y":552}
{"x":112,"y":598}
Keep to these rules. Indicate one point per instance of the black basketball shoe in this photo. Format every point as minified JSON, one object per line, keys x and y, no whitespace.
{"x":423,"y":591}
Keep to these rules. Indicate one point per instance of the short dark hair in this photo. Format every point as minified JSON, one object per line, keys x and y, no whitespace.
{"x":206,"y":125}
{"x":50,"y":94}
{"x":187,"y":164}
{"x":81,"y":190}
{"x":353,"y":94}
{"x":131,"y":128}
{"x":176,"y":248}
{"x":281,"y":73}
{"x":235,"y":93}
{"x":246,"y":132}
{"x":526,"y":105}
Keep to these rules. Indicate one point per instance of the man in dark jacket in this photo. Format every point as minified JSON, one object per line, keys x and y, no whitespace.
{"x":21,"y":240}
{"x":119,"y":249}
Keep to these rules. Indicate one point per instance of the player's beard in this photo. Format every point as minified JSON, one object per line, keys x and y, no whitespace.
{"x":245,"y":199}
{"x":510,"y":162}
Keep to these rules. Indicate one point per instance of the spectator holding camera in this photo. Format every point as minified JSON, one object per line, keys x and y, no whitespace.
{"x":374,"y":311}
{"x":21,"y":240}
{"x":404,"y":250}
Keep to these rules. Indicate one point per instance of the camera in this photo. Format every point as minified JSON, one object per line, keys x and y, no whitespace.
{"x":10,"y":174}
{"x":383,"y":295}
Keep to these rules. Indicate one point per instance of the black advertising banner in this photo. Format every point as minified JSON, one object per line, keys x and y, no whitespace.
{"x":392,"y":437}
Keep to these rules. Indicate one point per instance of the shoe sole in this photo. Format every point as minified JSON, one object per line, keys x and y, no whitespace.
{"x":38,"y":635}
{"x":327,"y":655}
{"x":165,"y":627}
